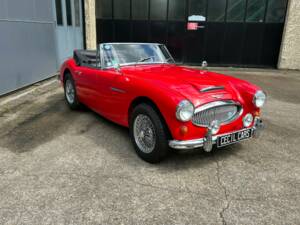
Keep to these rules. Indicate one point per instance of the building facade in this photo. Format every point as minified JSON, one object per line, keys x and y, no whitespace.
{"x":247,"y":33}
{"x":36,"y":36}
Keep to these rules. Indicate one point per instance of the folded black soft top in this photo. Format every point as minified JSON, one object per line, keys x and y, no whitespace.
{"x":82,"y":57}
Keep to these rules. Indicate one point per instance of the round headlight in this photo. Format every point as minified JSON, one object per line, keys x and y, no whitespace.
{"x":247,"y":120}
{"x":185,"y":111}
{"x":259,"y":99}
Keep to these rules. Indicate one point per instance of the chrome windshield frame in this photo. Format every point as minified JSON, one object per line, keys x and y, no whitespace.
{"x":100,"y":47}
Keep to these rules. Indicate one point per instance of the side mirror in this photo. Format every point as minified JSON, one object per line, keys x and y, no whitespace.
{"x":117,"y":66}
{"x":204,"y":64}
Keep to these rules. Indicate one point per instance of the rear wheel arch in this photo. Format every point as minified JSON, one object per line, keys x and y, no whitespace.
{"x":146,"y":100}
{"x":67,"y":71}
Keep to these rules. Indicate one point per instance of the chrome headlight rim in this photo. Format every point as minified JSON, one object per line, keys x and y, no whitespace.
{"x":259,"y":96}
{"x":188,"y":107}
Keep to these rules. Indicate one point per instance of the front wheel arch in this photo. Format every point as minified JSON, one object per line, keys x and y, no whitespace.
{"x":140,"y":100}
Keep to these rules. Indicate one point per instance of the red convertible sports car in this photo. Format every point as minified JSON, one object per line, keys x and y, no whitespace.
{"x":165,"y":106}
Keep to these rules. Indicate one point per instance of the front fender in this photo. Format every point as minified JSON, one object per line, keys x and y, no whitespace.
{"x":165,"y":99}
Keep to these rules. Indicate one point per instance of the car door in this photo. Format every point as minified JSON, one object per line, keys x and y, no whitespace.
{"x":86,"y":84}
{"x":112,"y":93}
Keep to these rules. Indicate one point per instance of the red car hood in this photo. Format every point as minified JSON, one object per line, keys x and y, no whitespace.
{"x":189,"y":82}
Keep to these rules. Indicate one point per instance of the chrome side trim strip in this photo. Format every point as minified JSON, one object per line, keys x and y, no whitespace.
{"x":117,"y":90}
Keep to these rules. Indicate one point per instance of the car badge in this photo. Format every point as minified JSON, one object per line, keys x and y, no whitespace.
{"x":218,"y":96}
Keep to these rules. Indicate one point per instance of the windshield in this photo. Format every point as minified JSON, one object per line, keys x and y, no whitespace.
{"x":131,"y":54}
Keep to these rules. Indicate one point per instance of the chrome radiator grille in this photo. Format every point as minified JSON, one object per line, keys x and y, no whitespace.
{"x":222,"y":113}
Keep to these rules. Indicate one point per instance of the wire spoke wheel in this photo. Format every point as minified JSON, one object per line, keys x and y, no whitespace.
{"x":70,"y":91}
{"x":144,"y":133}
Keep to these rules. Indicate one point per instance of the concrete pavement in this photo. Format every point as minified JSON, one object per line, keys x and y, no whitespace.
{"x":63,"y":167}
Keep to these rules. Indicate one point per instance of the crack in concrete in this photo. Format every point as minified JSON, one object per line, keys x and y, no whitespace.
{"x":266,"y":198}
{"x":221,"y":213}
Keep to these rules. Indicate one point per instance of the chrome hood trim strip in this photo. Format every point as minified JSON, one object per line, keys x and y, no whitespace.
{"x":215,"y":104}
{"x":212,"y":88}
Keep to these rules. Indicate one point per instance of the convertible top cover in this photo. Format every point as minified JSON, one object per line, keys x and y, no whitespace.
{"x":85,"y":57}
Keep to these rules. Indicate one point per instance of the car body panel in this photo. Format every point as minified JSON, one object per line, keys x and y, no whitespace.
{"x":110,"y":92}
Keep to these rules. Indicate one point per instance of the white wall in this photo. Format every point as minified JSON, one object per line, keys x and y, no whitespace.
{"x":290,"y":49}
{"x":90,"y":24}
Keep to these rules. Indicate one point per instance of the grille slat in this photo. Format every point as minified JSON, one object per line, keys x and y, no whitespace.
{"x":223,"y":114}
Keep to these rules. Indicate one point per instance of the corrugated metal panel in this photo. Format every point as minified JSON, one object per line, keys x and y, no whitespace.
{"x":27,"y":43}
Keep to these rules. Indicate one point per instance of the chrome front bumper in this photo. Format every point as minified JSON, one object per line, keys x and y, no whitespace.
{"x":210,"y":140}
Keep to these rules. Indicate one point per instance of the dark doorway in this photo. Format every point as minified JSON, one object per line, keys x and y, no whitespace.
{"x":223,"y":32}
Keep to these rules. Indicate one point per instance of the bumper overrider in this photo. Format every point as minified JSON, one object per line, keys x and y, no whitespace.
{"x":209,"y":140}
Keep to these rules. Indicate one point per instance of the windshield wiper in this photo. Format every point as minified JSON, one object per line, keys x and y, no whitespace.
{"x":145,"y":59}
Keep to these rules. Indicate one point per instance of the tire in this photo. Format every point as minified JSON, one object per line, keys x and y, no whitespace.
{"x":157,"y":133}
{"x":72,"y":101}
